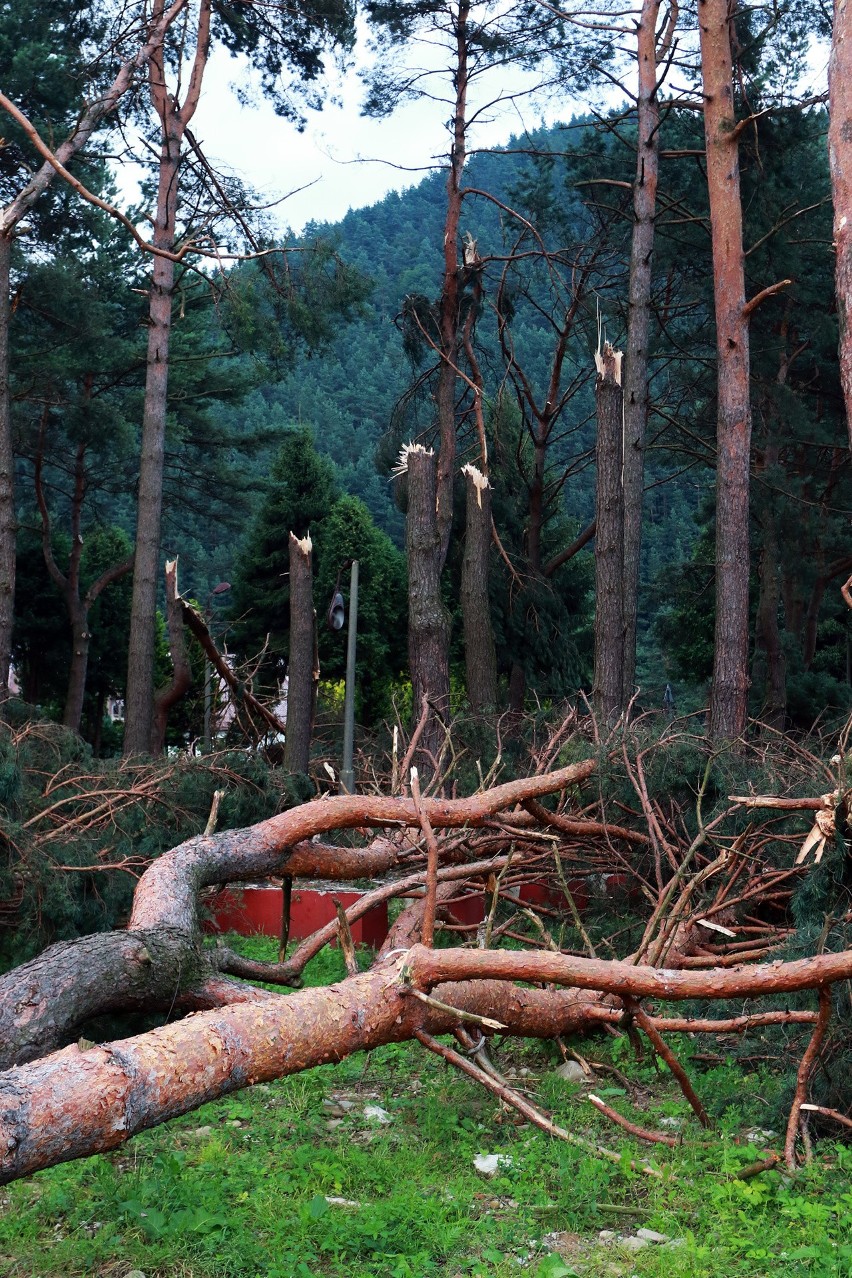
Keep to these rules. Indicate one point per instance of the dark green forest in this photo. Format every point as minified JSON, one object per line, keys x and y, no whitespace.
{"x":238,"y":418}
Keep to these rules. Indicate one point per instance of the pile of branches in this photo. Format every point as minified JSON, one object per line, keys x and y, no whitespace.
{"x":709,"y":879}
{"x":77,"y":833}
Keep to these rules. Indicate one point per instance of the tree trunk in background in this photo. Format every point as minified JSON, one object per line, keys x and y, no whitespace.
{"x":428,"y":623}
{"x":729,"y":696}
{"x":78,"y":667}
{"x":840,"y":159}
{"x":638,"y":317}
{"x":174,"y":119}
{"x":768,"y":639}
{"x":138,"y":724}
{"x":181,"y":680}
{"x":8,"y":522}
{"x":609,"y":539}
{"x":300,"y":682}
{"x":479,"y":655}
{"x":449,"y":301}
{"x":103,"y":105}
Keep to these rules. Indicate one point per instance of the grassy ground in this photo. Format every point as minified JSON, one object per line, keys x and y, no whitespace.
{"x":367,"y":1169}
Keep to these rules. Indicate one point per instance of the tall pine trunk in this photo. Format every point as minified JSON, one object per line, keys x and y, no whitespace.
{"x":638,"y":324}
{"x":174,"y":119}
{"x":609,"y":539}
{"x":729,"y":696}
{"x":8,"y":522}
{"x":479,"y":655}
{"x":428,"y":542}
{"x":140,"y":656}
{"x":300,"y":682}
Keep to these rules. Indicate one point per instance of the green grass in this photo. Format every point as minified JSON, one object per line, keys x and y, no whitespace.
{"x":241,"y":1188}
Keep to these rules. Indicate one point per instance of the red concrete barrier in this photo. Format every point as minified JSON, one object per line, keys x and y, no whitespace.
{"x":548,"y":892}
{"x":255,"y":910}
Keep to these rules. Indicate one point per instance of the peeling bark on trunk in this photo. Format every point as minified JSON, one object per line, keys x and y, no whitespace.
{"x":480,"y":658}
{"x":300,"y":670}
{"x":840,"y":160}
{"x":729,"y":696}
{"x":638,"y":323}
{"x":428,"y":623}
{"x":609,"y":539}
{"x":46,"y":1110}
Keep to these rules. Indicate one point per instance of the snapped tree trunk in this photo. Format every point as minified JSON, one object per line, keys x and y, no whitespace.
{"x":609,"y":539}
{"x":181,"y":681}
{"x":729,"y":696}
{"x":428,"y":622}
{"x":840,"y":160}
{"x":300,"y":682}
{"x":479,"y":655}
{"x":638,"y":323}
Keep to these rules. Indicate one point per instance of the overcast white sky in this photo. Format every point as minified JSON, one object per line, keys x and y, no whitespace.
{"x":351,"y":161}
{"x":346,"y":161}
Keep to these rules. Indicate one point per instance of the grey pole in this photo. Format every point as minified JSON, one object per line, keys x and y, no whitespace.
{"x":347,"y":775}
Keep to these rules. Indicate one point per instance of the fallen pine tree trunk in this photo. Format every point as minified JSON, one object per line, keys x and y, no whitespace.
{"x":159,"y":961}
{"x":89,"y":1098}
{"x":86,"y":1100}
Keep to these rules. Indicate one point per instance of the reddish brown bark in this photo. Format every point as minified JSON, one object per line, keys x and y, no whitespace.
{"x":609,"y":538}
{"x":46,"y":1110}
{"x":728,"y":702}
{"x":840,"y":160}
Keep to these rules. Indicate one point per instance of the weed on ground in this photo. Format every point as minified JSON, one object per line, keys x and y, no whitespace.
{"x":367,"y":1169}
